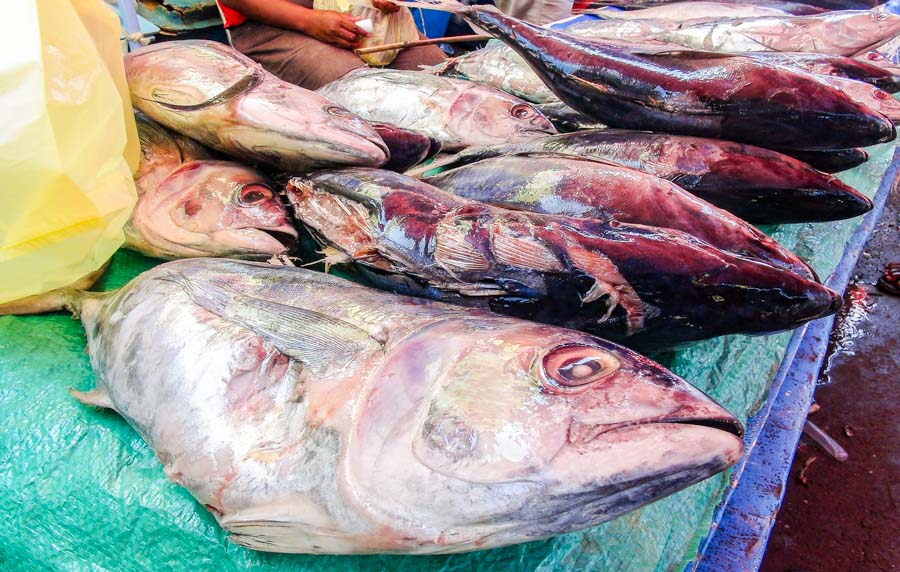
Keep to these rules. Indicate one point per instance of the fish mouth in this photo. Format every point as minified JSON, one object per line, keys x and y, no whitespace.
{"x":583,"y":434}
{"x":289,"y":240}
{"x":728,"y":425}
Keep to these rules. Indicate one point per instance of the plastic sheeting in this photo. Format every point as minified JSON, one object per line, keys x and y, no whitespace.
{"x":79,"y":489}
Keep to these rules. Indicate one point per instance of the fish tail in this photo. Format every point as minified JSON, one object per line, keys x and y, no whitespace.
{"x":70,"y":297}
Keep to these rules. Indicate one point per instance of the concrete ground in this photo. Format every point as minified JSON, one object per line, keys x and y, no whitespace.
{"x":844,"y":517}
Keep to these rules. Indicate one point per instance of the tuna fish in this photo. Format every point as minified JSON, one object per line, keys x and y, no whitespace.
{"x":219,"y":97}
{"x":692,"y":11}
{"x":407,"y":148}
{"x":588,"y":189}
{"x":310,"y":414}
{"x":757,"y":185}
{"x":650,"y":287}
{"x":191,"y":205}
{"x":842,"y":33}
{"x":455,"y":112}
{"x":694,"y":93}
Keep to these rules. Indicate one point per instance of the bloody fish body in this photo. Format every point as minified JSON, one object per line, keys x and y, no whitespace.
{"x":191,"y":204}
{"x":756,"y":184}
{"x":220,"y":97}
{"x":587,"y":189}
{"x":406,"y":148}
{"x":647,"y":286}
{"x":693,"y":93}
{"x":309,"y":414}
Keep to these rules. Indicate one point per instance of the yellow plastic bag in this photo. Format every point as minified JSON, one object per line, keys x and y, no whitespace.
{"x":68,"y":144}
{"x":386,"y":28}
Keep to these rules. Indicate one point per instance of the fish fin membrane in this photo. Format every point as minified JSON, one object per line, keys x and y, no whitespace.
{"x":317,"y":340}
{"x":285,"y":536}
{"x":97,"y":397}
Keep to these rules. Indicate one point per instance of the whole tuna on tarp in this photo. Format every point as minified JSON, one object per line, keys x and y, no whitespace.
{"x":755,"y":184}
{"x":218,"y":96}
{"x":651,"y":287}
{"x":694,"y":93}
{"x":310,"y":414}
{"x":565,"y":185}
{"x":456,"y":113}
{"x":192,"y":204}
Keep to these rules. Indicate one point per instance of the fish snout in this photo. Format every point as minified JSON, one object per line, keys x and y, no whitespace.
{"x":641,"y":394}
{"x":877,"y":128}
{"x":371,"y":146}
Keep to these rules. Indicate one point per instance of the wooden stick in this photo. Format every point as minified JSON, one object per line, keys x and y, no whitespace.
{"x":414,"y":43}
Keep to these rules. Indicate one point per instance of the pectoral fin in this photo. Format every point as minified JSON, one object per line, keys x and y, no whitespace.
{"x":315,"y":339}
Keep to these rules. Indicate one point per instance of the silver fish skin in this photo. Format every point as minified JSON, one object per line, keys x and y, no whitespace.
{"x":844,"y":33}
{"x":691,"y":11}
{"x":868,"y":95}
{"x":220,"y":97}
{"x":310,"y":414}
{"x":191,"y":204}
{"x":498,"y":66}
{"x":455,"y":112}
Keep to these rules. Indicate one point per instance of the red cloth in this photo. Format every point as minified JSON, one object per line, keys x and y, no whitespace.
{"x":232,"y":17}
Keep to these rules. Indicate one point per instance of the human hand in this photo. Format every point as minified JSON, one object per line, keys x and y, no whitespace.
{"x":335,"y":28}
{"x":385,"y":6}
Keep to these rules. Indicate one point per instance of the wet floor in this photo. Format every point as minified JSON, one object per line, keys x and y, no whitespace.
{"x":844,"y":517}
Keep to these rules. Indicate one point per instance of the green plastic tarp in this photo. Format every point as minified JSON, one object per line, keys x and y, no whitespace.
{"x":79,"y":490}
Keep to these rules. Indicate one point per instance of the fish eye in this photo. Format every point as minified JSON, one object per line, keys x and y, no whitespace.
{"x":574,"y":366}
{"x":521,"y":111}
{"x":254,"y":194}
{"x":337,"y":111}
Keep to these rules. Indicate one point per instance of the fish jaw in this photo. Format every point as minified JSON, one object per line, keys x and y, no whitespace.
{"x":326,"y":133}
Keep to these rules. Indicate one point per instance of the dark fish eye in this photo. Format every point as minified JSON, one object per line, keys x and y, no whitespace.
{"x":521,"y":111}
{"x":337,"y":111}
{"x":254,"y":194}
{"x":577,"y":365}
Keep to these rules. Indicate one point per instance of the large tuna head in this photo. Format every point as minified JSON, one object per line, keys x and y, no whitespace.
{"x":491,"y":431}
{"x":218,"y":96}
{"x":482,"y":115}
{"x":211,"y":208}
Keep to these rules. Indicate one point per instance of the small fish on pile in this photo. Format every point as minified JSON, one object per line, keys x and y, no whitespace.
{"x":330,"y":418}
{"x":216,"y":95}
{"x":191,"y":204}
{"x":646,"y":286}
{"x":454,"y":112}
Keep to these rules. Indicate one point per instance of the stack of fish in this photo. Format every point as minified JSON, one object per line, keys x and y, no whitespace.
{"x":329,"y":417}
